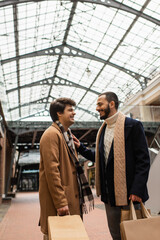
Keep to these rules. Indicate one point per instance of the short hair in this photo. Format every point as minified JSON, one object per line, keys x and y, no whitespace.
{"x":111,"y":96}
{"x":58,"y":105}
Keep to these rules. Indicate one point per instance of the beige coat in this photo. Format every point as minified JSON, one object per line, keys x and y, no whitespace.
{"x":58,"y":185}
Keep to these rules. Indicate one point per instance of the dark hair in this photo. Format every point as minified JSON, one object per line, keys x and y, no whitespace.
{"x":111,"y":96}
{"x":59,"y":105}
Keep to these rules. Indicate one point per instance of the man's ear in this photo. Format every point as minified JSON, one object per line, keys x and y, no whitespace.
{"x":59,"y":114}
{"x":112,"y":104}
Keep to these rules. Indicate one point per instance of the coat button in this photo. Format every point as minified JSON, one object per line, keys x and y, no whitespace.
{"x":76,"y":195}
{"x":74,"y":172}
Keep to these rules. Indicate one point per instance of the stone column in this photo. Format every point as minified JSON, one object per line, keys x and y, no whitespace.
{"x":145,"y":112}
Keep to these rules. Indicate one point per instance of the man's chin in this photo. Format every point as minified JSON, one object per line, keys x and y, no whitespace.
{"x":102,"y":117}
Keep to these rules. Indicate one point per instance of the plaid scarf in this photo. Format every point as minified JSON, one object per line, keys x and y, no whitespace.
{"x":85,"y":193}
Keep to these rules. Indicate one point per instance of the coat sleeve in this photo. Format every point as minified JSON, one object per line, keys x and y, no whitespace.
{"x":142,"y":160}
{"x":87,"y":153}
{"x":50,"y":153}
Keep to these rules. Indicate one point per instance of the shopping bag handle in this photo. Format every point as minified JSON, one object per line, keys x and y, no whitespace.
{"x":133,"y":215}
{"x":145,"y":212}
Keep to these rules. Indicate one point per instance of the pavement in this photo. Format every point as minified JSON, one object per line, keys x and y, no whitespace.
{"x":19,"y":219}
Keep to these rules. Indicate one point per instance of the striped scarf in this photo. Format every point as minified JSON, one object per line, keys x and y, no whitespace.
{"x":85,"y":192}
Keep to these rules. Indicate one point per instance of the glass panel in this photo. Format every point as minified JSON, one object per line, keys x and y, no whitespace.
{"x":120,"y":41}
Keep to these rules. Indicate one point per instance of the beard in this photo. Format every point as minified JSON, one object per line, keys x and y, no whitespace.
{"x":107,"y":112}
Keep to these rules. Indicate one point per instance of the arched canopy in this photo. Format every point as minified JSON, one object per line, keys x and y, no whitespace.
{"x":76,"y":49}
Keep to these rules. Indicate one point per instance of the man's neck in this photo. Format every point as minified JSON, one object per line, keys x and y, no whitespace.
{"x":112,"y":119}
{"x":113,"y":112}
{"x":64,"y":126}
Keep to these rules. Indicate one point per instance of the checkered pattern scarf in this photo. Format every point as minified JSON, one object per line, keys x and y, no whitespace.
{"x":84,"y":188}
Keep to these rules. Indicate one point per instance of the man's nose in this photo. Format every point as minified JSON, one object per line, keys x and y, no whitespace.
{"x":97,"y":108}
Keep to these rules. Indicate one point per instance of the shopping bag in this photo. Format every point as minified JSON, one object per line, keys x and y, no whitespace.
{"x":125,"y":214}
{"x":146,"y":228}
{"x":69,"y":227}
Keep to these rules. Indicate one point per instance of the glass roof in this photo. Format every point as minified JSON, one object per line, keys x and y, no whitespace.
{"x":76,"y":49}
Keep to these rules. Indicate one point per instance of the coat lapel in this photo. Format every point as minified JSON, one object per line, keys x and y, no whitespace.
{"x":127,"y":129}
{"x":65,"y":144}
{"x":101,"y":141}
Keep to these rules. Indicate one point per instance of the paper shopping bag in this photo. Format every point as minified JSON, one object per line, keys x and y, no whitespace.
{"x":68,"y":227}
{"x":146,"y":228}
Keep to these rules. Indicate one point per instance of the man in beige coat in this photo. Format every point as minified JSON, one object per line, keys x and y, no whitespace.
{"x":59,"y":180}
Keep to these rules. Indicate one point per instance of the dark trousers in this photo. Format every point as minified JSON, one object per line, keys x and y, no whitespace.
{"x":113,"y":218}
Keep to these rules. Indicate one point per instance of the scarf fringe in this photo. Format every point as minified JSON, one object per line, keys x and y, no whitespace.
{"x":84,"y":208}
{"x":91,"y":205}
{"x":87,"y":207}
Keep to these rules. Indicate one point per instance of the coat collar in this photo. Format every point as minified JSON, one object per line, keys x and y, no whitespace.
{"x":65,"y":144}
{"x":56,"y":126}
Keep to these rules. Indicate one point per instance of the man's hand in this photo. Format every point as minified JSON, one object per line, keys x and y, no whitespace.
{"x":76,"y":141}
{"x":135,"y":198}
{"x":63,"y":211}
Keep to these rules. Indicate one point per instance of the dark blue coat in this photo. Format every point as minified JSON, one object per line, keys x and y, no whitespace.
{"x":137,"y":162}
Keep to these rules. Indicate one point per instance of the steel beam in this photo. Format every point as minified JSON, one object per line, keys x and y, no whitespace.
{"x":106,"y":3}
{"x":123,"y":7}
{"x":141,"y":79}
{"x":30,"y":126}
{"x":85,"y":134}
{"x":53,"y":81}
{"x":69,"y":50}
{"x":38,"y":101}
{"x":34,"y":115}
{"x":15,"y":20}
{"x":156,"y":139}
{"x":45,"y":101}
{"x":13,"y":2}
{"x":88,"y":111}
{"x":34,"y":138}
{"x":72,"y":12}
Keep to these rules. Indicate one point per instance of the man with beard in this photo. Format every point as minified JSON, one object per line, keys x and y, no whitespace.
{"x":122,"y":160}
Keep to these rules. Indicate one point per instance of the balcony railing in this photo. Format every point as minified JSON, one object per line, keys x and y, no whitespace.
{"x":142,"y":113}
